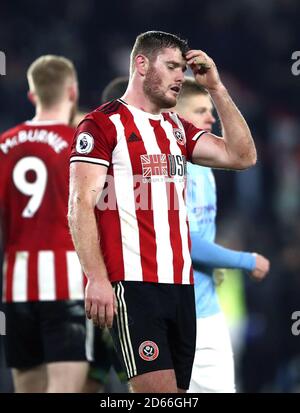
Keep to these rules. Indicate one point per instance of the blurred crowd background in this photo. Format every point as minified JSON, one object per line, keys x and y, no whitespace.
{"x":252,"y":42}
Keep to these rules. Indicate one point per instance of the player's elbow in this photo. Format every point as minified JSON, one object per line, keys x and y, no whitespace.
{"x":245,"y":163}
{"x":246,"y":160}
{"x":253,"y":160}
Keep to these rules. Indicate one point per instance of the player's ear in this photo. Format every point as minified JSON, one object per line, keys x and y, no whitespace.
{"x":73,"y":92}
{"x":141,"y":64}
{"x":31,"y":97}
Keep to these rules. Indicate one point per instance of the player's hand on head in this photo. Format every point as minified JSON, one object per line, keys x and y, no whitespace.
{"x":261,"y":269}
{"x":204,"y":69}
{"x":100,"y":302}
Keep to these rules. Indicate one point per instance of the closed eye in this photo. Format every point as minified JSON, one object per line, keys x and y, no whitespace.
{"x":175,"y":65}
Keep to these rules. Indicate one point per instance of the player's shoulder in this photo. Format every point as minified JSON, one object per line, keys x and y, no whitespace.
{"x":106,"y":110}
{"x":49,"y":126}
{"x":63,"y":129}
{"x":182,"y":123}
{"x":11,"y":131}
{"x":111,"y":107}
{"x":101,"y":116}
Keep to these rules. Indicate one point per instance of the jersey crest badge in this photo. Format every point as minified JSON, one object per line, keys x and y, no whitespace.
{"x":148,"y":351}
{"x":179,"y":136}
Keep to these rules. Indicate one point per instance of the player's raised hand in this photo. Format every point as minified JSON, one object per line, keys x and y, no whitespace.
{"x":204,"y":69}
{"x":262,"y":267}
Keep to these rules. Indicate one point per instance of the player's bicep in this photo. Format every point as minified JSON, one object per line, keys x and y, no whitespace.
{"x":210,"y":150}
{"x":86,"y":182}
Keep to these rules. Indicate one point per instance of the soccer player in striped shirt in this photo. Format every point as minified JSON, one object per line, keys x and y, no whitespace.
{"x":213,"y":369}
{"x":127,"y":211}
{"x":43,"y":281}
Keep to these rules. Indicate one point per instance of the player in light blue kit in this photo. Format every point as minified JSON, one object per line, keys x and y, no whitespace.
{"x":213,"y":369}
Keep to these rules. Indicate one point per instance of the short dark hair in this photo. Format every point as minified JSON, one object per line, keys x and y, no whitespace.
{"x":152,"y":42}
{"x":115,"y":89}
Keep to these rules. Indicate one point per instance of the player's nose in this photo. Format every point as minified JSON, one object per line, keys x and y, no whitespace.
{"x":211,"y":119}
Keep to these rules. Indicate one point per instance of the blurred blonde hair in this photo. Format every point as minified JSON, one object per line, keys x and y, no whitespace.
{"x":190,"y":87}
{"x":47,"y":77}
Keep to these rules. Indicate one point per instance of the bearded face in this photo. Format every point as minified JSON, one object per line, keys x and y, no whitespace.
{"x":164,"y":78}
{"x":156,"y":91}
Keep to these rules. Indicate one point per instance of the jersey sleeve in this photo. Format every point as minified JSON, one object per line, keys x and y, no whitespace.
{"x":192,"y":135}
{"x":210,"y":254}
{"x":93,"y":142}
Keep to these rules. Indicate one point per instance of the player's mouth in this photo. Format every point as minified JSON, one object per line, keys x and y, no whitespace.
{"x":176,"y":89}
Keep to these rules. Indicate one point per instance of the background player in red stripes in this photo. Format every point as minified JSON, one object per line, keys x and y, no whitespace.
{"x":43,"y":280}
{"x":144,"y":252}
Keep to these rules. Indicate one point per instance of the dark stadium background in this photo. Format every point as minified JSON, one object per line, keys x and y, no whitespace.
{"x":252,"y":42}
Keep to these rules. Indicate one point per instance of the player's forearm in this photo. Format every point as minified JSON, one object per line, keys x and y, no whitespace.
{"x":237,"y":136}
{"x":210,"y":254}
{"x":85,"y":237}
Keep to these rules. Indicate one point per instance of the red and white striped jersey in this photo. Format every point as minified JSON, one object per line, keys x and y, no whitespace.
{"x":141,"y":215}
{"x":40,"y":262}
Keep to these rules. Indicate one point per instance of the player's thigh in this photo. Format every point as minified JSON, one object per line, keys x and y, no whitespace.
{"x":33,"y":380}
{"x":162,"y":381}
{"x":66,"y":377}
{"x":64,"y":331}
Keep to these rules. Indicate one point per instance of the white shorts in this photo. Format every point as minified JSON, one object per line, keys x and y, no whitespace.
{"x":213,"y":368}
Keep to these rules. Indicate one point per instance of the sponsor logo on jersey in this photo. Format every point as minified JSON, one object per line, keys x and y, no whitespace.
{"x":148,"y":351}
{"x":179,"y":136}
{"x":163,"y":168}
{"x":154,"y":165}
{"x":84,"y":143}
